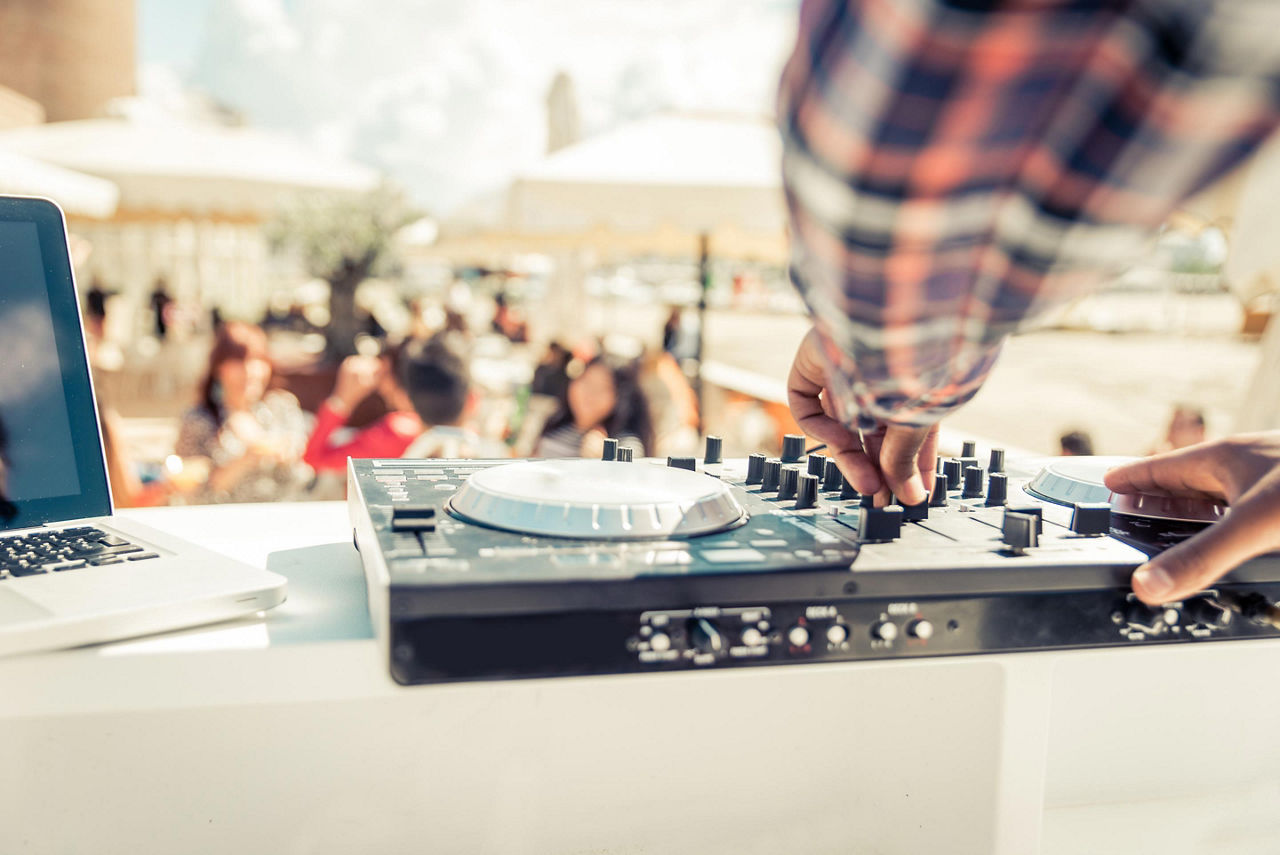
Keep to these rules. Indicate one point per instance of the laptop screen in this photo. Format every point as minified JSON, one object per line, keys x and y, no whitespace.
{"x":51,"y":465}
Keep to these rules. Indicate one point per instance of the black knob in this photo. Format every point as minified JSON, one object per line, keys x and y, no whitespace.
{"x":848,"y":493}
{"x":626,"y":454}
{"x":969,"y":448}
{"x":807,"y":492}
{"x":880,"y":525}
{"x":683,"y":463}
{"x":972,"y":483}
{"x":1139,"y":613}
{"x":705,"y":636}
{"x":1091,"y":518}
{"x":1032,"y":510}
{"x":831,"y":477}
{"x":1206,"y":611}
{"x":997,"y":489}
{"x":915,"y":513}
{"x":1020,"y":531}
{"x":715,"y":450}
{"x":610,"y":449}
{"x":755,"y":468}
{"x":938,"y":498}
{"x":772,"y":474}
{"x":997,"y":461}
{"x":951,"y":468}
{"x":868,"y":501}
{"x":788,"y":482}
{"x":792,"y":448}
{"x":816,"y":464}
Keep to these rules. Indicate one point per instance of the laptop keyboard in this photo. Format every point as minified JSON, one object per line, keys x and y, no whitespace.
{"x":65,"y":549}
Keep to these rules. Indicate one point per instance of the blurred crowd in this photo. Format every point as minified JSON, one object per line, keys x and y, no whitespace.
{"x":250,"y":434}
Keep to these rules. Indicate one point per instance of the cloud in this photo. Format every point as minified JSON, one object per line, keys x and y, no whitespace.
{"x":449,"y":97}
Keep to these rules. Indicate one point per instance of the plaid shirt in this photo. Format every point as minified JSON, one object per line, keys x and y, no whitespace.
{"x":953,"y":168}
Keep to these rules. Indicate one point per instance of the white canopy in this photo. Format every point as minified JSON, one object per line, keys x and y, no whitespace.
{"x":77,"y":193}
{"x":193,"y":168}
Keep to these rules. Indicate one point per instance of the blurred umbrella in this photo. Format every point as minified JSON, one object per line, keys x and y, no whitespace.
{"x":77,"y":193}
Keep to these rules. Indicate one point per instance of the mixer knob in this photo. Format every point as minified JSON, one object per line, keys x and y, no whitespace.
{"x":1207,"y":612}
{"x":997,"y":489}
{"x":972,"y":483}
{"x":1091,"y":518}
{"x":1019,"y":531}
{"x":847,"y":492}
{"x":1138,"y":613}
{"x":683,"y":463}
{"x":788,"y":482}
{"x":755,"y":468}
{"x":807,"y":492}
{"x":831,"y":477}
{"x":816,"y":462}
{"x":969,"y":448}
{"x":997,"y":461}
{"x":772,"y":475}
{"x":715,"y":450}
{"x":752,"y":637}
{"x":884,"y":630}
{"x":921,"y":629}
{"x":660,"y":641}
{"x":915,"y":513}
{"x":879,"y":525}
{"x":625,"y":454}
{"x":705,"y":636}
{"x":938,"y":498}
{"x":837,"y":633}
{"x":792,"y":448}
{"x":798,"y":636}
{"x":951,"y":468}
{"x":610,"y":449}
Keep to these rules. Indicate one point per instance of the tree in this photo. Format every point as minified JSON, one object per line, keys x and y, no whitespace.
{"x":344,"y":239}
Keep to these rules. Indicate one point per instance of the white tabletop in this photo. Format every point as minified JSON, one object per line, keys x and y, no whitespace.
{"x":283,"y":733}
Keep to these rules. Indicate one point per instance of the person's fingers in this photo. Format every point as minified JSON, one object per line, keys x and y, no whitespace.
{"x":1193,"y":472}
{"x":1250,"y":529}
{"x":927,"y":459}
{"x":899,"y":462}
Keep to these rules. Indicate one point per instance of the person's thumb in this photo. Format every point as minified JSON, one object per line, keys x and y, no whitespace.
{"x":1203,"y":559}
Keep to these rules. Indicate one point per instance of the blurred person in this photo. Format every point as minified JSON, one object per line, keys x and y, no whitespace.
{"x":95,"y":309}
{"x":507,"y":321}
{"x":434,"y":375}
{"x":1186,"y":427}
{"x":128,"y":488}
{"x":673,"y":406}
{"x":160,"y":302}
{"x":1075,"y":443}
{"x":249,"y":437}
{"x":551,"y":375}
{"x":604,"y":400}
{"x":1011,"y":154}
{"x":389,"y":436}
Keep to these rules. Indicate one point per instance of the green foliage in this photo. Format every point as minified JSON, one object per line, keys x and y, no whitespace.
{"x":344,"y":237}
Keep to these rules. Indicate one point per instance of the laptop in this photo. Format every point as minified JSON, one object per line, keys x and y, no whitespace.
{"x":72,"y":573}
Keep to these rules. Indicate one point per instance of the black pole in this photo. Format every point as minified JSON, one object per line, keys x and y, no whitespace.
{"x":704,"y":279}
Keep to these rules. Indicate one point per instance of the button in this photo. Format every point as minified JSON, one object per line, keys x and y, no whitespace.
{"x":972,"y":483}
{"x":755,"y":468}
{"x":837,"y":633}
{"x":798,"y":636}
{"x":831,"y":477}
{"x":659,"y":620}
{"x":714,"y":450}
{"x":921,"y":629}
{"x":807,"y":492}
{"x":610,"y":449}
{"x":885,"y":631}
{"x":752,"y":637}
{"x":788,"y":483}
{"x":997,"y":489}
{"x":792,"y":448}
{"x":660,"y":642}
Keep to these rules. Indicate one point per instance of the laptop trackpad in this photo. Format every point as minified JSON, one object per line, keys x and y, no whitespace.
{"x":15,"y":608}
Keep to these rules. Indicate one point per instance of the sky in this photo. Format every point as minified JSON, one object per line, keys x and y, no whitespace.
{"x":448,"y":96}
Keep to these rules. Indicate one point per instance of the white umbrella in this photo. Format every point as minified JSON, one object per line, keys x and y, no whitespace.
{"x":77,"y":193}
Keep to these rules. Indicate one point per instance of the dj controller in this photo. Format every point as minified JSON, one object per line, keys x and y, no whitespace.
{"x":503,"y":569}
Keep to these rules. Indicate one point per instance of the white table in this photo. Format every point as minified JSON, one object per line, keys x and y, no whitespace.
{"x":283,"y":734}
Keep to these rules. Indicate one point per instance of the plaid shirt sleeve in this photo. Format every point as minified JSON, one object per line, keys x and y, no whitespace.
{"x":954,"y":167}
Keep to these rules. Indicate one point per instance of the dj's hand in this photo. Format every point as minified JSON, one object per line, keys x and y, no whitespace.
{"x":1242,"y":470}
{"x":897,"y":459}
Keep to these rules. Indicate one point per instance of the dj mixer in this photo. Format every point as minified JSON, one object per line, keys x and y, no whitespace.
{"x":502,"y":569}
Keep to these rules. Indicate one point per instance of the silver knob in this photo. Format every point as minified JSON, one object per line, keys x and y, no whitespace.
{"x":885,"y":631}
{"x":798,"y":636}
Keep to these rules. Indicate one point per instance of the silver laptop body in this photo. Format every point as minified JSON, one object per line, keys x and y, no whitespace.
{"x":53,"y":479}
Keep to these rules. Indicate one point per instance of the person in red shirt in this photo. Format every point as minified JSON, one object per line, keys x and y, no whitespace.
{"x":389,"y":436}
